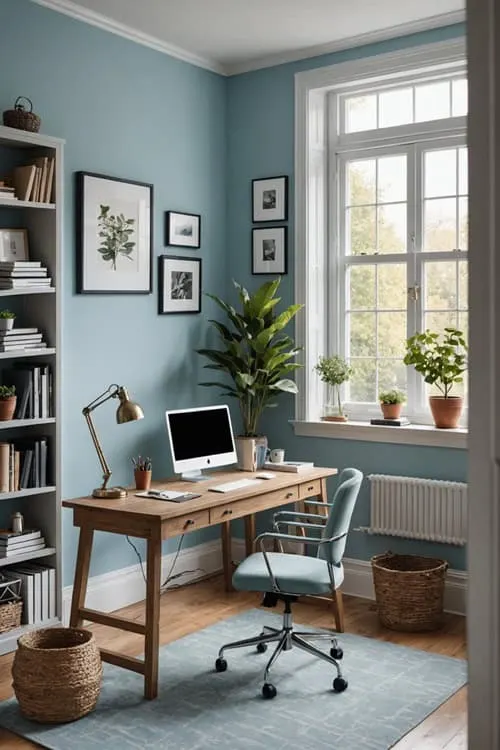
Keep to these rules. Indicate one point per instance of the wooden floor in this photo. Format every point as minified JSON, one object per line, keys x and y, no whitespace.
{"x":188,"y":609}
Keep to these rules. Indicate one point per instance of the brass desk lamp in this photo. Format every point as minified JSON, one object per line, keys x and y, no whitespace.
{"x":127,"y":411}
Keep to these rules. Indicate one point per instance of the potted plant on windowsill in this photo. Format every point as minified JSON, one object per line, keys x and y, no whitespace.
{"x":6,"y":320}
{"x":441,"y":361}
{"x":255,"y":354}
{"x":391,"y":403}
{"x":7,"y":402}
{"x":334,"y":371}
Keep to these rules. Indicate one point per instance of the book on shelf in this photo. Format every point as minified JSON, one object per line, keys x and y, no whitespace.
{"x":21,"y":345}
{"x":21,"y":283}
{"x":24,"y":464}
{"x":34,"y":182}
{"x":34,"y":387}
{"x":291,"y":466}
{"x":34,"y":546}
{"x":20,"y":264}
{"x":38,"y":590}
{"x":7,"y":536}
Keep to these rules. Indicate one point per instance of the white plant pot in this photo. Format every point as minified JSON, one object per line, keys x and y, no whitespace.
{"x":6,"y":324}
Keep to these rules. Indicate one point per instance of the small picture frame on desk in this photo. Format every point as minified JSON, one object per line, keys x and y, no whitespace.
{"x":13,"y":245}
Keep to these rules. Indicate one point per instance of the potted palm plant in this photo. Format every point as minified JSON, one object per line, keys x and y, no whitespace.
{"x":391,"y":403}
{"x":334,"y":371}
{"x":254,"y":352}
{"x":442,"y":362}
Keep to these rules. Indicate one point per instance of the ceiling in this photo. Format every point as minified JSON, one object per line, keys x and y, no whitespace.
{"x":232,"y":36}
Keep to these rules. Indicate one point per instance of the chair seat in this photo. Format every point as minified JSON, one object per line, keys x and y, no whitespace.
{"x":295,"y":574}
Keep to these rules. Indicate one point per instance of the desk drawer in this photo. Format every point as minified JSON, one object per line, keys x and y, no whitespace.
{"x":309,"y":489}
{"x":239,"y":508}
{"x":189,"y":522}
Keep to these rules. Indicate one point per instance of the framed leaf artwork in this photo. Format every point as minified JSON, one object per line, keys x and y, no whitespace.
{"x":114,"y":235}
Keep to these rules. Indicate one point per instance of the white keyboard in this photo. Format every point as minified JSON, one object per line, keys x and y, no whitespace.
{"x":238,"y":484}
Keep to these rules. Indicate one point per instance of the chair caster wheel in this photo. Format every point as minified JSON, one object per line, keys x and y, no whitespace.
{"x":339,"y":684}
{"x":261,"y":648}
{"x":268,"y":691}
{"x":336,"y":653}
{"x":220,"y":665}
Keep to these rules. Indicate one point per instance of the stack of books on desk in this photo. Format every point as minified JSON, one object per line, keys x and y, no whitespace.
{"x":12,"y":543}
{"x":292,"y":466}
{"x":23,"y":274}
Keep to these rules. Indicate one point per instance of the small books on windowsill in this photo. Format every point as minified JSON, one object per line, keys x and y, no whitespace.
{"x":292,"y":466}
{"x":401,"y":422}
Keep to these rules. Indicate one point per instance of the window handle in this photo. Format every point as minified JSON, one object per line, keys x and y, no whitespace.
{"x":414,"y":293}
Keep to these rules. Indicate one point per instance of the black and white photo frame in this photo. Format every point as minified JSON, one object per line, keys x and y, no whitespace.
{"x":182,"y":229}
{"x":179,"y":284}
{"x":269,"y":250}
{"x":270,"y":199}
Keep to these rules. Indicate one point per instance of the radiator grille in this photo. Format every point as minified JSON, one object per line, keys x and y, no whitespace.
{"x":418,"y":508}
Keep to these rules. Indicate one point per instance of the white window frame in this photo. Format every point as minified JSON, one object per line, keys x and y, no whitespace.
{"x":313,"y":141}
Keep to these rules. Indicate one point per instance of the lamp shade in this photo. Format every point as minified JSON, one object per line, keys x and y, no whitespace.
{"x":128,"y":411}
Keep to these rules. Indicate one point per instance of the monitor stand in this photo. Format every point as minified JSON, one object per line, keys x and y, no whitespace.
{"x":194,"y":476}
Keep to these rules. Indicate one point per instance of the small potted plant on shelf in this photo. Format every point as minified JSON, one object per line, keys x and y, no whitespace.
{"x":6,"y":320}
{"x":391,"y":403}
{"x":334,"y":371}
{"x":442,"y":360}
{"x":7,"y":402}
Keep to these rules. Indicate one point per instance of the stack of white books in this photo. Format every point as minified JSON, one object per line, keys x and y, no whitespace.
{"x":8,"y":193}
{"x":23,"y":274}
{"x":38,"y":591}
{"x":21,"y":338}
{"x":12,"y":543}
{"x":291,"y":466}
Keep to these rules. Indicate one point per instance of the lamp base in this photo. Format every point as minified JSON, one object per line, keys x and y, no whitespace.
{"x":110,"y":493}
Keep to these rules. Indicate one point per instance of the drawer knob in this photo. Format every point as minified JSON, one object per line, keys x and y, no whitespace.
{"x":228,"y":512}
{"x":310,"y":488}
{"x":289,"y":494}
{"x":189,"y":522}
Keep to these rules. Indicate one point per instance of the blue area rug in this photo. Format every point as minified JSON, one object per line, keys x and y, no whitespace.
{"x":391,"y":690}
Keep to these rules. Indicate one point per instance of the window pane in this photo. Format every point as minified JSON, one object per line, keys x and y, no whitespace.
{"x":391,"y":334}
{"x":438,"y":321}
{"x":361,"y":288}
{"x":395,"y":108}
{"x":361,"y":230}
{"x":440,"y":224}
{"x":459,"y":98}
{"x":432,"y":101}
{"x":440,"y":173}
{"x":463,"y":169}
{"x":361,"y":113}
{"x":441,"y":286}
{"x":391,"y":186}
{"x":392,"y":228}
{"x":391,"y":374}
{"x":463,"y":223}
{"x":391,"y":286}
{"x":361,"y":334}
{"x":362,"y":385}
{"x":463,"y":282}
{"x":361,"y":182}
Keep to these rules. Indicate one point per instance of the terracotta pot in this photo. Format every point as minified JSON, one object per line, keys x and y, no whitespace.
{"x":142,"y":479}
{"x":391,"y":411}
{"x":7,"y":408}
{"x":446,"y":411}
{"x":334,"y":418}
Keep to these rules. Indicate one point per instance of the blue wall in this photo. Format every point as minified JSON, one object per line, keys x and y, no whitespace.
{"x":130,"y":112}
{"x":261,"y":144}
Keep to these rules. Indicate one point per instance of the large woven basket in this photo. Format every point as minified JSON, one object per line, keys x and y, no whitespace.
{"x":57,"y":674}
{"x":10,"y":615}
{"x":409,"y":590}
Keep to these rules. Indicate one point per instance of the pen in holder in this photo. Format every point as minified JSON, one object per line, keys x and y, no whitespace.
{"x":142,"y":472}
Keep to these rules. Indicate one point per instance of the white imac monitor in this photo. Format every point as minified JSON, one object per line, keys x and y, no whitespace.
{"x":199,"y":439}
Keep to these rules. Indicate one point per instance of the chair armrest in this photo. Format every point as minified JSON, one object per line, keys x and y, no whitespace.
{"x":318,"y":503}
{"x":281,"y":519}
{"x":296,"y":513}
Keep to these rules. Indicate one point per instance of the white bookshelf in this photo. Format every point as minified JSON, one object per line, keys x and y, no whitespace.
{"x":41,"y":307}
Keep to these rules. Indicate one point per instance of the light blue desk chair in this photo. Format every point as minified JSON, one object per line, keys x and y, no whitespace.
{"x":285,"y":577}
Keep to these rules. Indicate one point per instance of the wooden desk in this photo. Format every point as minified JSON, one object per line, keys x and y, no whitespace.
{"x":156,"y":520}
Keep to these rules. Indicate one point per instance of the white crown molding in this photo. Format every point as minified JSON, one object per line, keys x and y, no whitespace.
{"x":114,"y":27}
{"x":370,"y":37}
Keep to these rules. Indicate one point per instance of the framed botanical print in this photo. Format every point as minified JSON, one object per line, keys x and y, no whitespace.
{"x":114,"y":235}
{"x":179,"y":282}
{"x":270,"y":199}
{"x":269,"y":250}
{"x":182,"y":230}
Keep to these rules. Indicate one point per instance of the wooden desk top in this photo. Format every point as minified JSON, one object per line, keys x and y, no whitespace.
{"x":146,"y":508}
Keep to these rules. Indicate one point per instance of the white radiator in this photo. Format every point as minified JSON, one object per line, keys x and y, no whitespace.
{"x":418,"y":509}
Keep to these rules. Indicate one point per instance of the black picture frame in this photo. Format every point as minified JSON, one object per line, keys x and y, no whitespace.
{"x":276,"y":190}
{"x":277,"y":262}
{"x":174,"y":238}
{"x":91,"y":188}
{"x":168,"y":304}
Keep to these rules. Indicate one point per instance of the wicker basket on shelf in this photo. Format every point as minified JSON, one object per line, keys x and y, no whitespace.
{"x":57,"y":674}
{"x":10,"y":615}
{"x":409,"y":590}
{"x":20,"y":118}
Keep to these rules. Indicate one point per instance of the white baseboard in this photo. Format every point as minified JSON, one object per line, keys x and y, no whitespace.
{"x":120,"y":588}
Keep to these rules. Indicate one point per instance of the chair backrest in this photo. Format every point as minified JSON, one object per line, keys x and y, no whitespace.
{"x":339,"y":518}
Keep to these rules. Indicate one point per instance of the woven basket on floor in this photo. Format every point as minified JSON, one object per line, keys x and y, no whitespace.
{"x":57,"y":674}
{"x":409,"y":590}
{"x":10,"y":615}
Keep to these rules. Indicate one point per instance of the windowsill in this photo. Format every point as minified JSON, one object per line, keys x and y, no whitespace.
{"x":414,"y":434}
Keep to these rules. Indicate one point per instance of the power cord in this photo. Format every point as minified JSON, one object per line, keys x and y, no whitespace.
{"x":164,"y":587}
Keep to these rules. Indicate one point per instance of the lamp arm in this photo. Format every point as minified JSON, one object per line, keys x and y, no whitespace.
{"x":110,"y":392}
{"x":106,"y":471}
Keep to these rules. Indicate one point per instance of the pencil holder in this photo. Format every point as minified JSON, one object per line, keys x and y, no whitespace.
{"x":142,"y":479}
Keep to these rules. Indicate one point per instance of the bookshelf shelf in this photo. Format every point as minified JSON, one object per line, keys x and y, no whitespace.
{"x":25,"y":493}
{"x":20,"y":353}
{"x":14,"y":423}
{"x":46,"y":552}
{"x":8,"y":641}
{"x":26,"y":204}
{"x":34,"y":290}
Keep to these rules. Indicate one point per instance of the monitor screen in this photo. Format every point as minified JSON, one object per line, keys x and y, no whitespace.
{"x":200,"y":438}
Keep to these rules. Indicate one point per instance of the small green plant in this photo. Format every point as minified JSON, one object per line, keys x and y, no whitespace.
{"x":115,"y":233}
{"x":334,"y":371}
{"x":393,"y":396}
{"x":441,"y":360}
{"x":7,"y":314}
{"x":7,"y":391}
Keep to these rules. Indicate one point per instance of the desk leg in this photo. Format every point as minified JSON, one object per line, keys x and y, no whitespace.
{"x":227,"y":558}
{"x":81,"y":575}
{"x":152,"y":639}
{"x":249,"y":534}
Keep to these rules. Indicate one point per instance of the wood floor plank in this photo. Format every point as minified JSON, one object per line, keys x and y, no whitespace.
{"x":190,"y":608}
